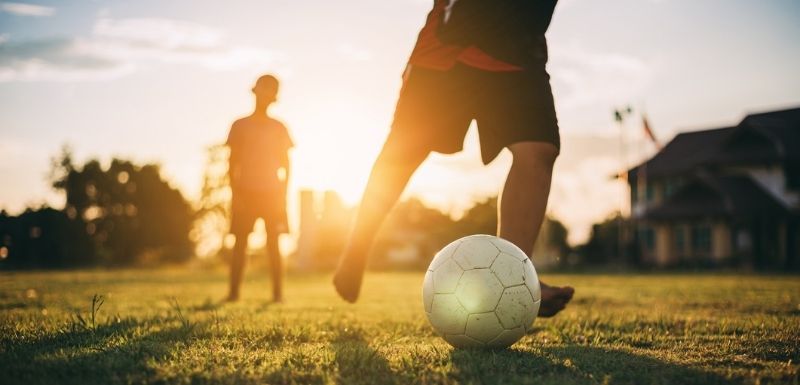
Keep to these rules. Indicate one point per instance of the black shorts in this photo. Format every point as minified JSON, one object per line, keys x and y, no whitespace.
{"x":435,"y":109}
{"x":248,"y":206}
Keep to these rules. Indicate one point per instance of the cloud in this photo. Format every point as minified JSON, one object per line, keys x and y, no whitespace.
{"x":162,"y":34}
{"x":54,"y":59}
{"x":354,"y":53}
{"x":583,"y":78}
{"x":583,"y":190}
{"x":24,"y":9}
{"x":4,"y":37}
{"x":117,"y":47}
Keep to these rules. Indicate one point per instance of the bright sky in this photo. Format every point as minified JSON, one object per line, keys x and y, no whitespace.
{"x":157,"y":80}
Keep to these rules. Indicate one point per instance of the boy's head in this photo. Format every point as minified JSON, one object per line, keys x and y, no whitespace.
{"x":266,"y":89}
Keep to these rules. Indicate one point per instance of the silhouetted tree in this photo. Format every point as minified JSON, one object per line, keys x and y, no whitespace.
{"x":411,"y":223}
{"x":413,"y":227}
{"x":213,"y":214}
{"x":43,"y":237}
{"x":131,"y":213}
{"x":603,"y":246}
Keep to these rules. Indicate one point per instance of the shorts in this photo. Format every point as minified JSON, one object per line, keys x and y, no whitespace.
{"x":436,"y":108}
{"x":249,"y":205}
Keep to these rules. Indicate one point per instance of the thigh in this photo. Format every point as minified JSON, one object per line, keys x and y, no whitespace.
{"x":433,"y":111}
{"x":516,"y":107}
{"x":242,"y":217}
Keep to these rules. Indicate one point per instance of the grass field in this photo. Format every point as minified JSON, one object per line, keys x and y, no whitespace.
{"x":167,"y":328}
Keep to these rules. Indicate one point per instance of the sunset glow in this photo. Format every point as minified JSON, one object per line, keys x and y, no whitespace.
{"x":165,"y":82}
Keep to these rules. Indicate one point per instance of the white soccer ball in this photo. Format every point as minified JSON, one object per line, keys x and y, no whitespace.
{"x":481,"y":291}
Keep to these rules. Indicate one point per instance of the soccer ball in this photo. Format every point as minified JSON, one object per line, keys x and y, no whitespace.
{"x":481,"y":291}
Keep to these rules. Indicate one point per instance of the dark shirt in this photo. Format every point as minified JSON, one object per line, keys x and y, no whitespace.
{"x":259,"y":149}
{"x":508,"y":30}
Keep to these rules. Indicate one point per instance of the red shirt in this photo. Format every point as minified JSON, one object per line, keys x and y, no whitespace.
{"x":430,"y":52}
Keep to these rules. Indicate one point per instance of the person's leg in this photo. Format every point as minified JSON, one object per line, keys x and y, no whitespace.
{"x":275,"y":265}
{"x":394,"y":167}
{"x":522,"y":208}
{"x":237,"y":266}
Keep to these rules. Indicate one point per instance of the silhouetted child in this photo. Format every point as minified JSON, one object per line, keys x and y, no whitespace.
{"x":259,"y":173}
{"x":479,"y":60}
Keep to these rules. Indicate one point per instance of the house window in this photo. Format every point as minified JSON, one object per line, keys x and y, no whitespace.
{"x":701,"y":238}
{"x":670,"y":186}
{"x":647,"y":238}
{"x":744,"y":242}
{"x":792,"y":175}
{"x":649,"y":191}
{"x":680,"y":239}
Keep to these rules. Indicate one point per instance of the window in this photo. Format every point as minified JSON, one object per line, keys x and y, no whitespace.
{"x":651,"y":191}
{"x":647,"y":238}
{"x":680,"y":239}
{"x":792,"y":175}
{"x":744,"y":242}
{"x":701,"y":238}
{"x":671,"y":185}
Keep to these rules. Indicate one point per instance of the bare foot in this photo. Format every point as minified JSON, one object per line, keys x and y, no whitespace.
{"x":347,"y":279}
{"x":554,"y":299}
{"x":231,"y":298}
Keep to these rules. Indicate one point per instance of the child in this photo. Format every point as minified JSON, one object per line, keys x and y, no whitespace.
{"x":259,"y":173}
{"x":474,"y":60}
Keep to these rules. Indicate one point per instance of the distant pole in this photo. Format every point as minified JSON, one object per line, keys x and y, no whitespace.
{"x":619,"y":117}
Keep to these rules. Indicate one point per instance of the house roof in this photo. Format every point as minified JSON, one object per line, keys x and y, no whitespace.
{"x":783,"y":126}
{"x":735,"y":196}
{"x":763,"y":137}
{"x":684,"y":152}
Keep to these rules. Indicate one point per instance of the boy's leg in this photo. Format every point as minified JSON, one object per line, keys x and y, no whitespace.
{"x":275,"y":265}
{"x":394,"y":167}
{"x":237,"y":266}
{"x":522,"y":208}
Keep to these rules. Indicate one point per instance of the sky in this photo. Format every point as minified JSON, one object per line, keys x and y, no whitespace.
{"x":160,"y":81}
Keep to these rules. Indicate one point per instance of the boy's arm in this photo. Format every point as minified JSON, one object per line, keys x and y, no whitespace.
{"x":288,"y":144}
{"x":234,"y":164}
{"x":233,"y":169}
{"x":286,"y":172}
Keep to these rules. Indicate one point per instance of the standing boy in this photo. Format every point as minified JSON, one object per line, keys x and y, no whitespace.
{"x":259,"y":173}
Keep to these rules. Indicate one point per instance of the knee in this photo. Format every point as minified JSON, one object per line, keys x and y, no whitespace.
{"x":534,"y":155}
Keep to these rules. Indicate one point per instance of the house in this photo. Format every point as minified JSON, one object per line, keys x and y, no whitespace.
{"x":725,"y":197}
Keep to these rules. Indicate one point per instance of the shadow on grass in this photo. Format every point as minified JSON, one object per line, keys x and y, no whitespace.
{"x":116,"y":352}
{"x":574,"y":364}
{"x":359,"y":363}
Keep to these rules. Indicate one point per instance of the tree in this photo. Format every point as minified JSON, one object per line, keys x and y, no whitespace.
{"x":213,"y":214}
{"x":130,"y":212}
{"x":43,"y":238}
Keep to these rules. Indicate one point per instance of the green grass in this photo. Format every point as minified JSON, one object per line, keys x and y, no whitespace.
{"x":167,"y":328}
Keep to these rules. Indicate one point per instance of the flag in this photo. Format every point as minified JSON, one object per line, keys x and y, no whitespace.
{"x":649,"y":132}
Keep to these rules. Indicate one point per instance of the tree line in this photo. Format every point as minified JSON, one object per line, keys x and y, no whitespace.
{"x":125,"y":214}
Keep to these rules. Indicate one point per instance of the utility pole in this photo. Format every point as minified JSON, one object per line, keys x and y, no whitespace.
{"x":619,"y":116}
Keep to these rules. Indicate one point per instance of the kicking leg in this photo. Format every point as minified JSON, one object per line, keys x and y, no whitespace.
{"x":522,"y":208}
{"x":394,"y":167}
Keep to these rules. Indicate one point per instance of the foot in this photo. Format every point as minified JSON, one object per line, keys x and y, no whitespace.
{"x":347,"y":280}
{"x":554,"y":299}
{"x":231,"y":298}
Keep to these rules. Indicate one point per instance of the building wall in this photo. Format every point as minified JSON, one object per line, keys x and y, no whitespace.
{"x":678,"y":242}
{"x":720,"y":241}
{"x":664,"y":249}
